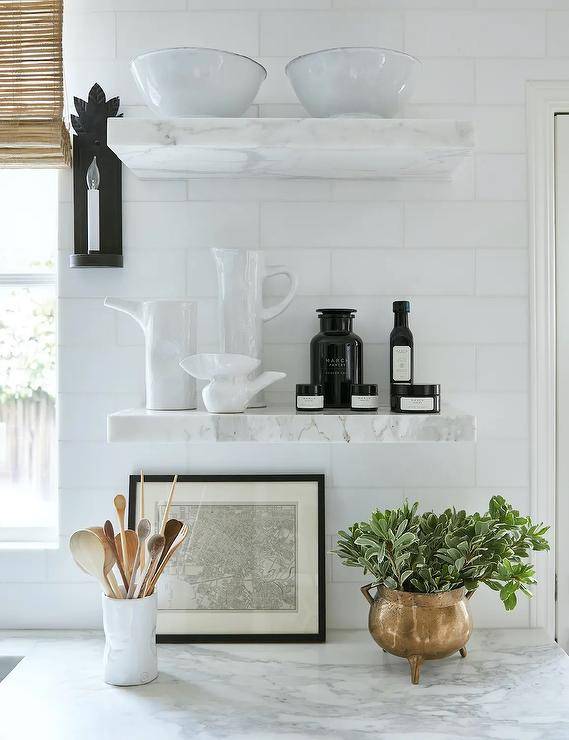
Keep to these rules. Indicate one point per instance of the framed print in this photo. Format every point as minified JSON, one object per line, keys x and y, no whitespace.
{"x":252,"y":567}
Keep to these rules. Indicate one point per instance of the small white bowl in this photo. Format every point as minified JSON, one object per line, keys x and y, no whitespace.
{"x":197,"y":82}
{"x":365,"y":82}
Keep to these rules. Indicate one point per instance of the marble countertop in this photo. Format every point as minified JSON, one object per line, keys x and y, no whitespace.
{"x":513,"y":685}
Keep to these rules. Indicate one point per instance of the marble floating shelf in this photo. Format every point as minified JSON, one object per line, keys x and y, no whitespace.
{"x":343,"y":148}
{"x":285,"y":425}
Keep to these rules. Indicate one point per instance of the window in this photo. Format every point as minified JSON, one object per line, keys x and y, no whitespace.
{"x":28,"y":250}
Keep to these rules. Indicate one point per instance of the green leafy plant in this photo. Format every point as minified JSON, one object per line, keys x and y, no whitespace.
{"x":428,"y":553}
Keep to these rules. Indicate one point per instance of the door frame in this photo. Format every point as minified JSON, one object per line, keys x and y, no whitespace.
{"x":543,"y":101}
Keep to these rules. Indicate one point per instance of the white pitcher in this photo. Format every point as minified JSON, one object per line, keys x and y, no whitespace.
{"x":170,"y":330}
{"x":241,"y":274}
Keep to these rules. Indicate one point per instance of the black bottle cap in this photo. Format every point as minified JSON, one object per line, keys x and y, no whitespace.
{"x":337,"y":311}
{"x":364,"y":389}
{"x":309,"y":389}
{"x":416,"y":389}
{"x":401,"y":306}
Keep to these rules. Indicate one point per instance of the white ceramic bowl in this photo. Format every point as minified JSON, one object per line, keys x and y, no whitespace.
{"x":197,"y":82}
{"x":354,"y":81}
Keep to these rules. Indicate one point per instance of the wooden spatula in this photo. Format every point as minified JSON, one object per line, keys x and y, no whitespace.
{"x":155,"y":547}
{"x":143,"y":531}
{"x":120,"y":507}
{"x":171,"y":531}
{"x":174,"y":546}
{"x":89,"y":554}
{"x":109,"y":533}
{"x":131,"y":544}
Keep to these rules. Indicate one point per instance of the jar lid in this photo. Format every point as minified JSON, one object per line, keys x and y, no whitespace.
{"x":401,"y":306}
{"x":309,"y":389}
{"x":336,"y":311}
{"x":364,"y":389}
{"x":417,"y":389}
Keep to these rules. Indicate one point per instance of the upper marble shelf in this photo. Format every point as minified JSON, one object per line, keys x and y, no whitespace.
{"x":285,"y":425}
{"x":337,"y":148}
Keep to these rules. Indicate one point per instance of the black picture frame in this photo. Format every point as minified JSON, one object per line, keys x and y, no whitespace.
{"x":319,"y":479}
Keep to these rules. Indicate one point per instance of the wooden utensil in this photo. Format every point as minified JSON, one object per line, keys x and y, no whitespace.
{"x":168,"y":504}
{"x":141,"y":516}
{"x":174,"y":546}
{"x":171,"y":531}
{"x":89,"y":554}
{"x":110,"y":560}
{"x":120,"y":507}
{"x":131,"y":545}
{"x":109,"y":533}
{"x":155,"y":547}
{"x":143,"y":530}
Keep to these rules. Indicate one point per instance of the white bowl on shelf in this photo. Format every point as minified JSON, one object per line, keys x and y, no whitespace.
{"x":197,"y":82}
{"x":362,"y":82}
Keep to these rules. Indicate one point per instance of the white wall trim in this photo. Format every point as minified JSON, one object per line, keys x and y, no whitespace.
{"x":544,"y":100}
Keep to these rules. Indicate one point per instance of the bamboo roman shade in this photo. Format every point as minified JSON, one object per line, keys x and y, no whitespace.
{"x":32,"y":130}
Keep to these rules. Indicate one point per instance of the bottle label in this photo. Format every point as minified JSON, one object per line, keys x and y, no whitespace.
{"x":401,"y":364}
{"x":365,"y":402}
{"x":411,"y":403}
{"x":310,"y":402}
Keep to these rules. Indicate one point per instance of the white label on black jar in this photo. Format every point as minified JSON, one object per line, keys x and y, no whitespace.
{"x":365,"y":402}
{"x":411,"y":403}
{"x":401,"y":364}
{"x":310,"y":402}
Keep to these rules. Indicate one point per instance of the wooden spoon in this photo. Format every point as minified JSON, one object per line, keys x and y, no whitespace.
{"x":110,"y":560}
{"x":155,"y":548}
{"x":141,"y":513}
{"x":143,"y":530}
{"x":168,"y":504}
{"x":120,"y":507}
{"x":174,"y":546}
{"x":89,"y":554}
{"x":131,"y":545}
{"x":171,"y":531}
{"x":109,"y":533}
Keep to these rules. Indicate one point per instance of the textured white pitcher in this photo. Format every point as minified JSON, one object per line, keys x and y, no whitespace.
{"x":130,"y":640}
{"x":241,"y":274}
{"x":170,"y":330}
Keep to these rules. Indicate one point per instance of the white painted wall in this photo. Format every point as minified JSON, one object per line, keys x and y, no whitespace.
{"x":458,"y":251}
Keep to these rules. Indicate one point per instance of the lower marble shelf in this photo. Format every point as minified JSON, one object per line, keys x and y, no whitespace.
{"x":285,"y":425}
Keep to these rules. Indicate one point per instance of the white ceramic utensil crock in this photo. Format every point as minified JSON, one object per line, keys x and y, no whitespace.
{"x":130,"y":640}
{"x":363,"y":82}
{"x":170,"y":330}
{"x":241,"y":274}
{"x":197,"y":82}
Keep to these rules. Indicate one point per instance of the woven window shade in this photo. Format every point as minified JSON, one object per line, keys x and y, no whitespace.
{"x":32,"y":130}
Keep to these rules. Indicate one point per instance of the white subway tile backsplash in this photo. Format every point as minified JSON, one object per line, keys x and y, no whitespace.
{"x":331,"y":224}
{"x":83,"y":416}
{"x":472,"y":224}
{"x":503,"y":81}
{"x":141,"y":32}
{"x":501,"y":177}
{"x":258,"y":189}
{"x":85,"y":322}
{"x":344,"y":506}
{"x":501,"y":272}
{"x":557,"y":34}
{"x":135,"y":189}
{"x":502,"y":463}
{"x":288,"y":34}
{"x":402,"y":271}
{"x":499,"y":415}
{"x":475,"y":34}
{"x":502,"y":368}
{"x":96,"y":44}
{"x":445,"y":81}
{"x":22,"y":566}
{"x":452,"y":366}
{"x":370,"y":465}
{"x":91,"y":369}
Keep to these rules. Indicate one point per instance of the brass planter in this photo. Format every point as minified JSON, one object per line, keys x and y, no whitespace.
{"x":419,"y":627}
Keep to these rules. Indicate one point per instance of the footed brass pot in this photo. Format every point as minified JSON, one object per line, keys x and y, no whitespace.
{"x":419,"y":627}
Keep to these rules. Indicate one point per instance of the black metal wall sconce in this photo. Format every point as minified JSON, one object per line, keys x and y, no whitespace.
{"x":97,"y":184}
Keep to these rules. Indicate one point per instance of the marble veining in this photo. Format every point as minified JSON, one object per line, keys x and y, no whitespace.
{"x":285,"y":425}
{"x":514,"y":685}
{"x":354,"y":148}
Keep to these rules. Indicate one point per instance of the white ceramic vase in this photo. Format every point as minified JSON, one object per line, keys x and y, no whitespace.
{"x":170,"y":330}
{"x":231,"y":387}
{"x":130,"y":640}
{"x":241,"y":274}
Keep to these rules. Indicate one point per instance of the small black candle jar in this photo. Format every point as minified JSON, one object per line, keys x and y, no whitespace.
{"x":419,"y":398}
{"x":365,"y":397}
{"x":336,"y":356}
